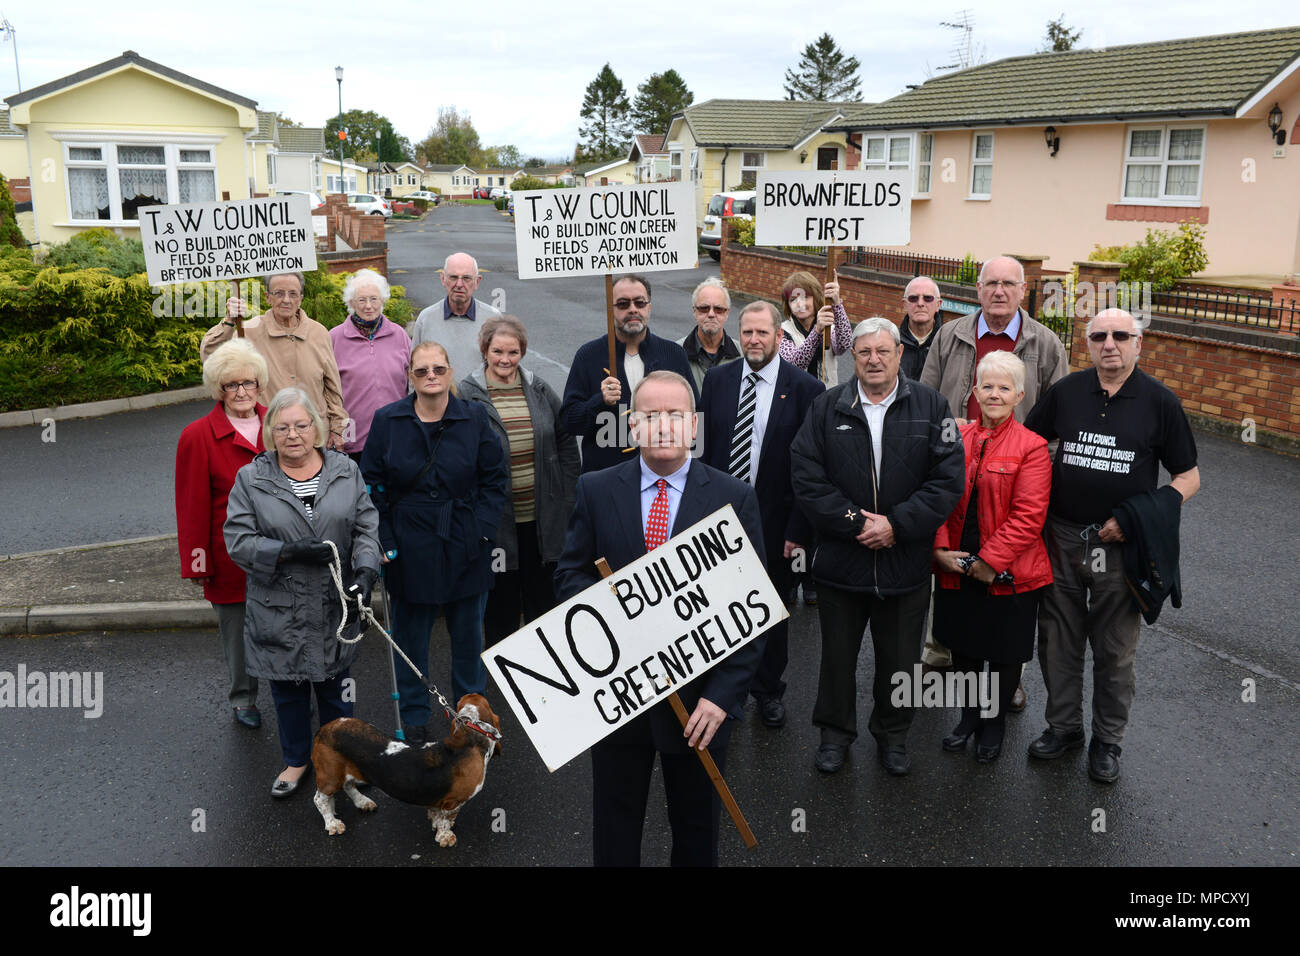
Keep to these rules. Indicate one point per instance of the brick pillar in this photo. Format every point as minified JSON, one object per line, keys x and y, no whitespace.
{"x":1084,"y":307}
{"x":1286,"y":298}
{"x":1033,"y":266}
{"x":372,"y":228}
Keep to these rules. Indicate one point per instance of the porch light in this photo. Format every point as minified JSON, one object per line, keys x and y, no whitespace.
{"x":1275,"y":124}
{"x":1053,"y":141}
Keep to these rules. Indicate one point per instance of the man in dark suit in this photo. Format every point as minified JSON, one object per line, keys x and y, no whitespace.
{"x":622,"y":513}
{"x":595,"y":397}
{"x":751,"y":411}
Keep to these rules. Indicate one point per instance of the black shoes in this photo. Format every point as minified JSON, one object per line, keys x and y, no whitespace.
{"x":830,"y":757}
{"x":989,"y":744}
{"x":809,"y":595}
{"x":1050,"y":746}
{"x":895,"y":761}
{"x":1018,"y":700}
{"x":956,"y":741}
{"x":772,"y":711}
{"x":1103,"y":761}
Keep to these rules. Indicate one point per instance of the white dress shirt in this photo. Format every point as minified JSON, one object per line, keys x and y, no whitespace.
{"x":875,"y":416}
{"x":650,"y":491}
{"x":764,"y":389}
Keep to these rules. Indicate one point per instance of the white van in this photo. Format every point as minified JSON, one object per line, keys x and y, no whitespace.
{"x":722,"y":206}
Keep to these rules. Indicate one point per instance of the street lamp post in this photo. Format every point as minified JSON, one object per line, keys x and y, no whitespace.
{"x":338,"y":75}
{"x":8,"y":28}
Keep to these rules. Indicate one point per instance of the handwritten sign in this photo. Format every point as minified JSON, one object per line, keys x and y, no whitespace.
{"x":598,"y":230}
{"x":607,"y":655}
{"x":193,"y":242}
{"x":854,"y":208}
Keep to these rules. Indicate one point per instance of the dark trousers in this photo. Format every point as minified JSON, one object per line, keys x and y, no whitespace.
{"x":293,"y":713}
{"x":621,"y":765}
{"x":897,"y":624}
{"x":527,"y":591}
{"x":768,"y":680}
{"x":1008,"y":679}
{"x":412,"y":624}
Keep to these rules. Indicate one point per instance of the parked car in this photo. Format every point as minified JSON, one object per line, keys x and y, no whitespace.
{"x":482,"y":192}
{"x":426,"y":195}
{"x":499,"y":191}
{"x":371,"y":204}
{"x":723,"y":206}
{"x":313,"y":199}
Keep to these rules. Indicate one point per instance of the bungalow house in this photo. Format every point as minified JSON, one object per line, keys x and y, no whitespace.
{"x":1053,"y":153}
{"x":722,"y":144}
{"x":560,"y":175}
{"x":610,"y":172}
{"x":127,"y":133}
{"x":649,"y":157}
{"x":451,"y":180}
{"x":499,"y":176}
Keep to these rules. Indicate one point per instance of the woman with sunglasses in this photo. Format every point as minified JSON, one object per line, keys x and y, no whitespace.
{"x":438,"y":475}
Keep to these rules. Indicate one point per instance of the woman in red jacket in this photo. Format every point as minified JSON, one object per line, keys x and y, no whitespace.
{"x":209,"y":453}
{"x":990,"y":558}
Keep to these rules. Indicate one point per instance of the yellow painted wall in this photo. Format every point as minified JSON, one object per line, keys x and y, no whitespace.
{"x":13,"y":157}
{"x":132,"y":101}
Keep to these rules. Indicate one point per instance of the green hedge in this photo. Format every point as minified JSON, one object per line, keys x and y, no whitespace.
{"x":72,"y":335}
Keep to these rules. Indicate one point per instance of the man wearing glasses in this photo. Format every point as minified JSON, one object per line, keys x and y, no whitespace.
{"x":921,"y":302}
{"x":709,"y":345}
{"x":298,"y":350}
{"x":454,"y":321}
{"x":1116,"y":426}
{"x":596,"y":396}
{"x":1000,"y":324}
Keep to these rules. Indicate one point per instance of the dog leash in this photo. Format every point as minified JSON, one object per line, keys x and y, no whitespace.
{"x":367,"y":616}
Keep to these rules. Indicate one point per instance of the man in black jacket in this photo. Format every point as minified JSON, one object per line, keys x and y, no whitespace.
{"x":877,"y":466}
{"x":921,"y":301}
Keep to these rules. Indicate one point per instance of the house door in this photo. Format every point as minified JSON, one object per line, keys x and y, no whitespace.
{"x":828,"y":157}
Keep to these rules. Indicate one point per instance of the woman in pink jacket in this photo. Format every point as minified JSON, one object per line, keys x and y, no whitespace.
{"x":210,"y":452}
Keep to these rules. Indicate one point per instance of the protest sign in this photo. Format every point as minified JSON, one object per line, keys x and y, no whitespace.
{"x":846,"y":208}
{"x":607,"y":655}
{"x":240,"y":239}
{"x":605,"y":229}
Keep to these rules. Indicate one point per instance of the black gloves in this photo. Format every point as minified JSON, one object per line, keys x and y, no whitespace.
{"x":363,"y":583}
{"x":306,"y":551}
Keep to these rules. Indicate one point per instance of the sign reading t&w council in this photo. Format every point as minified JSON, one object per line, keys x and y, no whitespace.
{"x":238,"y":239}
{"x":600,"y":230}
{"x":579,"y":672}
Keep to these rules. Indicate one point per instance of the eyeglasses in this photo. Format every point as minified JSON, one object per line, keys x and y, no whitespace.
{"x":716,"y":309}
{"x":1007,"y":284}
{"x":625,"y":303}
{"x":231,"y":387}
{"x":1119,"y":336}
{"x":286,"y":294}
{"x":302,"y":428}
{"x":920,"y":298}
{"x":367,"y":300}
{"x":423,"y":371}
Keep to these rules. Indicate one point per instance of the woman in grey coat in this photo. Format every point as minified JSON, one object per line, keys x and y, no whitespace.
{"x":284,"y":507}
{"x":544,"y":467}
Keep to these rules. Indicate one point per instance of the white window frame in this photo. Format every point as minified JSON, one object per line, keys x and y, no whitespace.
{"x":1163,"y":161}
{"x":976,"y":162}
{"x":315,"y":175}
{"x":762,"y":163}
{"x":695,"y":165}
{"x":271,"y":177}
{"x":675,"y":165}
{"x":927,"y":164}
{"x":886,"y":141}
{"x":107,"y":142}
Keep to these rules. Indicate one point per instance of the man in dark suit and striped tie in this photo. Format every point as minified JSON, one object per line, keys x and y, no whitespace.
{"x":750,"y":412}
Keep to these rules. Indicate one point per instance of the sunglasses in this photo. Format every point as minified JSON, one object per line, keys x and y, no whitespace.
{"x":625,"y":303}
{"x":1119,"y":337}
{"x":920,"y":298}
{"x":706,"y":309}
{"x":423,"y":371}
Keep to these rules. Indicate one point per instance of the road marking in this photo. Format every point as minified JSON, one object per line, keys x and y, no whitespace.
{"x":1226,"y":657}
{"x":547,"y":358}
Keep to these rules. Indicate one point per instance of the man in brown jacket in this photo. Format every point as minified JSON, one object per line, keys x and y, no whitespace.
{"x":298,"y":350}
{"x":959,"y":344}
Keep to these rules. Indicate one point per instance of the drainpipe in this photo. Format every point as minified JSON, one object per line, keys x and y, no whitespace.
{"x":722,"y":188}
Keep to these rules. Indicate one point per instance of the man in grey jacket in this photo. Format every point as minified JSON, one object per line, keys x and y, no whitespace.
{"x":959,"y":344}
{"x":454,"y":322}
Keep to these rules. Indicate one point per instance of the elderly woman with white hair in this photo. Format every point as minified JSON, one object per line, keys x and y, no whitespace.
{"x":209,"y":454}
{"x":372,"y":353}
{"x":989,"y":556}
{"x":286,"y":508}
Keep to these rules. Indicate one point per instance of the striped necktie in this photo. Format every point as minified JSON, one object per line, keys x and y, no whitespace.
{"x":743,"y":434}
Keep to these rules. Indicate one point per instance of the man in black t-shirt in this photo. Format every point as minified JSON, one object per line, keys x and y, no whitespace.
{"x":1117,"y":426}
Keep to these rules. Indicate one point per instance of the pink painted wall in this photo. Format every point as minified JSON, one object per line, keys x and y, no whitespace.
{"x":1056,"y":205}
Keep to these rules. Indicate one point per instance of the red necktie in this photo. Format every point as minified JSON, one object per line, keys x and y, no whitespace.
{"x":656,"y":529}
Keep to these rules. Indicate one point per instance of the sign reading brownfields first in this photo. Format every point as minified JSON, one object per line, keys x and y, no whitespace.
{"x":605,"y":229}
{"x":198,"y":242}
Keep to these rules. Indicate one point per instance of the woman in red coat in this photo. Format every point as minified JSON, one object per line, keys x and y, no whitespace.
{"x":209,"y":453}
{"x":989,"y":558}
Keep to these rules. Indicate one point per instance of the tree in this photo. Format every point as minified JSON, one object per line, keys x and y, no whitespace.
{"x":657,"y":100}
{"x":282,"y":120}
{"x":365,"y":128}
{"x":534,"y":162}
{"x":392,"y":148}
{"x":823,"y":73}
{"x":1060,"y":37}
{"x":453,"y":139}
{"x":604,"y":132}
{"x":509,"y":156}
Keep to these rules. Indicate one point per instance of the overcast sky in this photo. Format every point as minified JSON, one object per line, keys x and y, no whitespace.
{"x":520,"y":69}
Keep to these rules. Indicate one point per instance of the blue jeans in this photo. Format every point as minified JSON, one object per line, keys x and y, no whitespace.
{"x":412,"y":624}
{"x":293,"y":713}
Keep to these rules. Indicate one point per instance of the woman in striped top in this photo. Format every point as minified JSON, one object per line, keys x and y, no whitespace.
{"x":544,"y":466}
